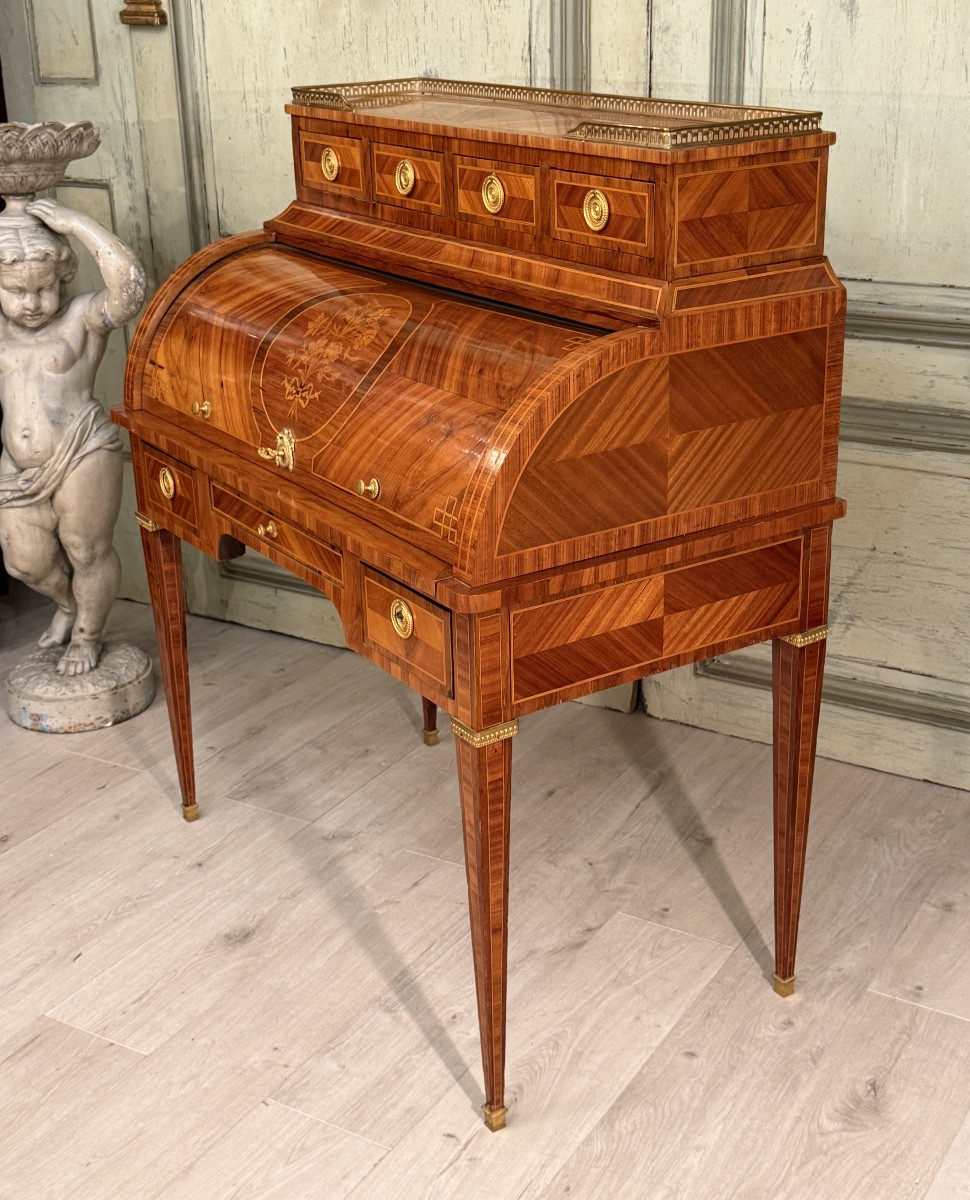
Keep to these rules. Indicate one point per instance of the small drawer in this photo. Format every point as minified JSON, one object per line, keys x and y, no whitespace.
{"x":334,"y":164}
{"x":169,"y":489}
{"x":410,"y":630}
{"x":612,"y":213}
{"x":273,"y":536}
{"x":410,"y":178}
{"x":495,"y":193}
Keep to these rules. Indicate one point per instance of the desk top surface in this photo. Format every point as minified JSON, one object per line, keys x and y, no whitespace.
{"x":543,"y":113}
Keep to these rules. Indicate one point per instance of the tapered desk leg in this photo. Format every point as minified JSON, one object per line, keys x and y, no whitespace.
{"x":163,"y":559}
{"x":797,"y":678}
{"x":430,"y":710}
{"x":484,"y":782}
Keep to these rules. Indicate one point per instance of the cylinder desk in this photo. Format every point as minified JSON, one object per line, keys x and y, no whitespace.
{"x":542,"y":390}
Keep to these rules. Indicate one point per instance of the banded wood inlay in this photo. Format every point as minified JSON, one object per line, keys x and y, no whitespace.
{"x":634,"y":625}
{"x":739,"y":214}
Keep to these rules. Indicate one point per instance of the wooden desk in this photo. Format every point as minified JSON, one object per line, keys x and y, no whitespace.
{"x":542,"y":390}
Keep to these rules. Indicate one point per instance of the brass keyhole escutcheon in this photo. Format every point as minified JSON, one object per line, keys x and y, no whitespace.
{"x":268,"y":530}
{"x":402,"y":619}
{"x":493,"y":193}
{"x":596,"y":210}
{"x":371,"y":490}
{"x":203,"y":410}
{"x":166,"y":481}
{"x":330,"y":164}
{"x":405,"y":177}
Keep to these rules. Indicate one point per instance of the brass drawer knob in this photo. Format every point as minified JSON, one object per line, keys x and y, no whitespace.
{"x":203,"y":410}
{"x":405,"y":177}
{"x":268,"y":530}
{"x":402,"y":619}
{"x":596,"y":210}
{"x":330,"y":164}
{"x":166,"y":481}
{"x":493,"y":193}
{"x":371,"y":490}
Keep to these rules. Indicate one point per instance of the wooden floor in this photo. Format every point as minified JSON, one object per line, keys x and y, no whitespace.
{"x":277,"y":1001}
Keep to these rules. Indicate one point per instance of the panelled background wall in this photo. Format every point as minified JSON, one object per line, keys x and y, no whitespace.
{"x":196,"y":145}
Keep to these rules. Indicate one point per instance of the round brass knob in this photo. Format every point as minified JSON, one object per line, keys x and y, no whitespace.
{"x":493,"y":193}
{"x":203,"y":410}
{"x":330,"y":164}
{"x":405,"y":177}
{"x":371,"y":490}
{"x":402,"y":619}
{"x":268,"y":530}
{"x":166,"y":481}
{"x":596,"y":210}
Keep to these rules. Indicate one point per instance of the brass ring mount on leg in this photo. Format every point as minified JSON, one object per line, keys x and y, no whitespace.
{"x":808,"y":638}
{"x":190,"y":812}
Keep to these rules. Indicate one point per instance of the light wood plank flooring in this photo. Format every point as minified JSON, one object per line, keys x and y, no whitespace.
{"x":277,"y":1001}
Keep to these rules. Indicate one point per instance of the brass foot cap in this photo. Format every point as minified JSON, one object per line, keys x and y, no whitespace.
{"x":784,"y":987}
{"x":190,"y":812}
{"x":431,"y":737}
{"x":494,"y":1117}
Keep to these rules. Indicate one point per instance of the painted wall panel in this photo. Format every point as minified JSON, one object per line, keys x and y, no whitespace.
{"x":681,"y":49}
{"x":251,"y":165}
{"x":892,"y":79}
{"x":619,"y":36}
{"x":63,"y":41}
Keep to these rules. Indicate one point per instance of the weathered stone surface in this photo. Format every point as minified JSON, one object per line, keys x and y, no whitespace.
{"x":121,"y":686}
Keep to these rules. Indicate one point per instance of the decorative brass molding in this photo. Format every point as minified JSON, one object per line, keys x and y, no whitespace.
{"x":485,"y":737}
{"x":808,"y":638}
{"x":147,"y":523}
{"x":284,"y":453}
{"x":710,"y":123}
{"x":143,"y":12}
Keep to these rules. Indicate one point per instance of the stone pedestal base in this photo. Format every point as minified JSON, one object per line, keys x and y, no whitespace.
{"x":120,"y":687}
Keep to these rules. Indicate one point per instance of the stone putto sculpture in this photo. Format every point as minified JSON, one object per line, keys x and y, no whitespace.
{"x":61,"y":462}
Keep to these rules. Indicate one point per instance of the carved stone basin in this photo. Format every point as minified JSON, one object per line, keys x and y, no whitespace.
{"x":34,"y":157}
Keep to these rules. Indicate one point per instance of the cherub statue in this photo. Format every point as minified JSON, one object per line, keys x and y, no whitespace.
{"x":60,"y":469}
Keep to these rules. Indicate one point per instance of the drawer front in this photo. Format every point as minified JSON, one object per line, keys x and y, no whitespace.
{"x":272,"y":535}
{"x":169,"y":490}
{"x":409,"y":178}
{"x":612,"y":213}
{"x":495,"y":193}
{"x":334,"y":164}
{"x":410,"y":630}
